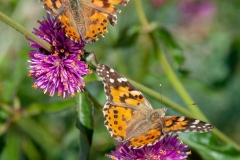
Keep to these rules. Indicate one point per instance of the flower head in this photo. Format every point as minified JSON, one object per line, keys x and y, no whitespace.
{"x":168,"y":148}
{"x":61,"y":71}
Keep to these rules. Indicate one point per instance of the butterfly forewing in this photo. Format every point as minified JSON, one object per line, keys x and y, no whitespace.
{"x":178,"y":124}
{"x":119,"y":90}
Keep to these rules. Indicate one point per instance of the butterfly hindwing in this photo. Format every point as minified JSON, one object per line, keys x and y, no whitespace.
{"x":116,"y":120}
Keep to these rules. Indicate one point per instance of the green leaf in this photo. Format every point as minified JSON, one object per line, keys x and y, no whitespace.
{"x":128,"y":36}
{"x":90,"y":78}
{"x":10,"y":85}
{"x":30,"y":149}
{"x":232,"y":63}
{"x":38,"y":133}
{"x":51,"y":107}
{"x":2,"y":142}
{"x":84,"y":124}
{"x":165,"y":37}
{"x":209,"y":147}
{"x":12,"y":147}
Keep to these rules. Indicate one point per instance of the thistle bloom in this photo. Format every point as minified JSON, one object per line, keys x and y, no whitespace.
{"x":168,"y":148}
{"x":61,"y":71}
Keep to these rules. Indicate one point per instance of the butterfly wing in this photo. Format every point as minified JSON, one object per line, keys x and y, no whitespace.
{"x":152,"y":136}
{"x":54,"y":7}
{"x":178,"y":124}
{"x":119,"y":91}
{"x":101,"y":12}
{"x":60,"y":9}
{"x":126,"y":109}
{"x":94,"y":23}
{"x":128,"y":124}
{"x":171,"y":124}
{"x":117,"y":120}
{"x":84,"y":18}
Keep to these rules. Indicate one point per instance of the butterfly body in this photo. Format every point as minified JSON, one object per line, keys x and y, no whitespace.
{"x":84,"y":19}
{"x":130,"y":118}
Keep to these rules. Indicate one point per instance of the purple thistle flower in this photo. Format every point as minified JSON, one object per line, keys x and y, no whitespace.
{"x":62,"y":71}
{"x":168,"y":148}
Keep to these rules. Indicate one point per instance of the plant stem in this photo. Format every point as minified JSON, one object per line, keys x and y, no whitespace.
{"x":225,"y":138}
{"x":141,"y":14}
{"x":178,"y":86}
{"x":25,"y":32}
{"x":97,"y":105}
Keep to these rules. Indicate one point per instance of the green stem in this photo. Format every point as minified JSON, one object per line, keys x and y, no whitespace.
{"x":225,"y":138}
{"x":141,"y":14}
{"x":97,"y":105}
{"x":25,"y":32}
{"x":178,"y":86}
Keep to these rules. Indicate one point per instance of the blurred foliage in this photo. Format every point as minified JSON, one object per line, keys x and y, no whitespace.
{"x":201,"y":43}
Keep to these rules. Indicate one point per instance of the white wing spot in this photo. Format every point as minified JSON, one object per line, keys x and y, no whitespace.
{"x":196,"y":121}
{"x":193,"y":126}
{"x":122,"y":79}
{"x":111,"y":70}
{"x":181,"y":118}
{"x":111,"y":80}
{"x":107,"y":75}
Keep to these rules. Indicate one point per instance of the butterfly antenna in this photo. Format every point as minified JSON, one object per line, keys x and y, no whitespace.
{"x":160,"y":85}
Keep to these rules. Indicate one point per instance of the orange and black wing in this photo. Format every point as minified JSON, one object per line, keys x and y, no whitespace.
{"x":178,"y":124}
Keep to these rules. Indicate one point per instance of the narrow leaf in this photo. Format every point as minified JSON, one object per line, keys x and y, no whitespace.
{"x":84,"y":124}
{"x":170,"y":42}
{"x":13,"y":149}
{"x":209,"y":147}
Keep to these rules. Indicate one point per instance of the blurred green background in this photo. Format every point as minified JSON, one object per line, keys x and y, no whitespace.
{"x":205,"y":55}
